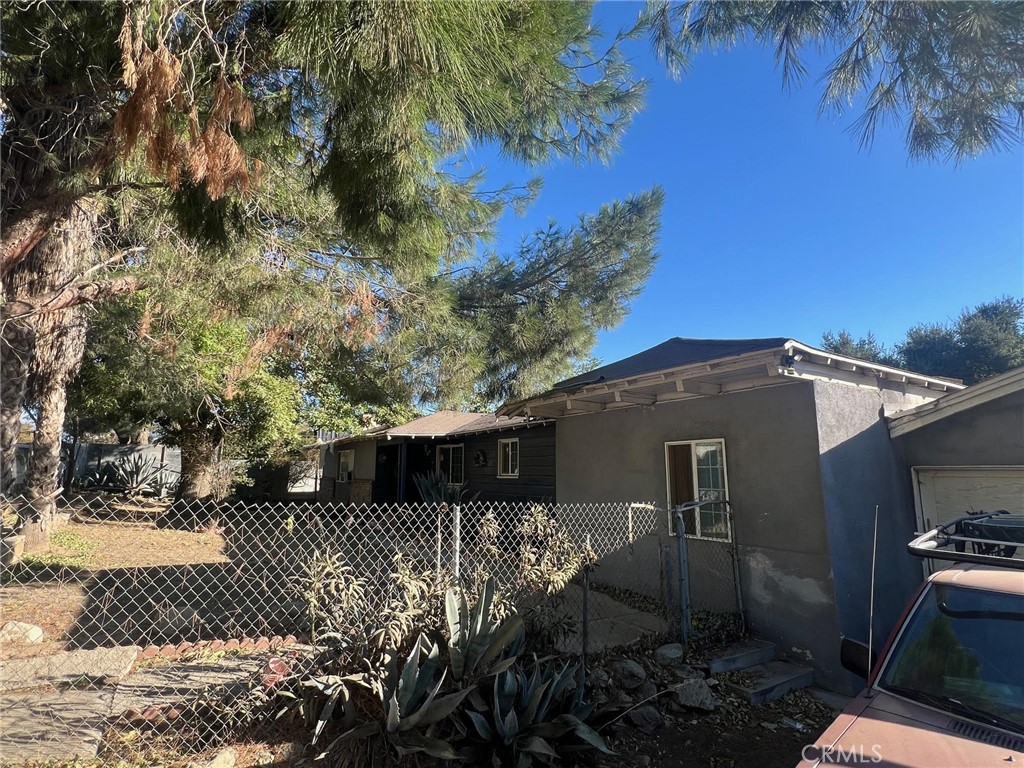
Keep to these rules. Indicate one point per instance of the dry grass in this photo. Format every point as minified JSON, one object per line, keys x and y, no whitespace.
{"x":49,"y":589}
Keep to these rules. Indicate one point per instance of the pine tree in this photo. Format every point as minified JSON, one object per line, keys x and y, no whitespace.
{"x":951,"y":72}
{"x":190,"y":109}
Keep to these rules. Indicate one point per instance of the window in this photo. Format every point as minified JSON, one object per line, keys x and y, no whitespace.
{"x":450,"y":463}
{"x":346,"y":463}
{"x":695,"y":471}
{"x":508,"y":457}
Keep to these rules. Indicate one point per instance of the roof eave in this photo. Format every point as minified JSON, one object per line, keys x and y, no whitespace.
{"x":791,"y":361}
{"x":957,"y":402}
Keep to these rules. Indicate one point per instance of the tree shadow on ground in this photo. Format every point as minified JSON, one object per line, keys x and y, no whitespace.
{"x":172,"y":604}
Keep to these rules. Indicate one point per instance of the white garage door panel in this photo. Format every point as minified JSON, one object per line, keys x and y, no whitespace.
{"x":945,"y":493}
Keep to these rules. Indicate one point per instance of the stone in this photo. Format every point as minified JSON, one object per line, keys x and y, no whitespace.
{"x":695,"y":694}
{"x":226,"y":758}
{"x":20,"y":632}
{"x":668,"y":655}
{"x":628,"y":673}
{"x":646,"y":718}
{"x":647,"y":690}
{"x":598,"y":678}
{"x":686,"y":672}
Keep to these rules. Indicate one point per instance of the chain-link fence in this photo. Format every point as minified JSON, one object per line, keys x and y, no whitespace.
{"x":711,"y":598}
{"x":147,"y":619}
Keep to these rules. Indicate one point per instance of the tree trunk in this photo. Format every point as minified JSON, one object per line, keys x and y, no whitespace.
{"x":200,"y":488}
{"x":198,"y":465}
{"x":59,"y":342}
{"x":17,"y":344}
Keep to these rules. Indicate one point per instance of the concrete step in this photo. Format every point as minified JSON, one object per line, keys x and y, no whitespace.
{"x":742,"y":655}
{"x":773,"y":680}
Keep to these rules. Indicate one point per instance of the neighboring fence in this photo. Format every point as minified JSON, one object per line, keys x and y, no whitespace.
{"x":146,"y":606}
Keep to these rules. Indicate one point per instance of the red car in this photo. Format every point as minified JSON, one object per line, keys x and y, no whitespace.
{"x":948,"y":688}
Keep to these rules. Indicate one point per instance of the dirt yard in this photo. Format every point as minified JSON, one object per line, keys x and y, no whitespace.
{"x":737,"y":736}
{"x":49,"y":590}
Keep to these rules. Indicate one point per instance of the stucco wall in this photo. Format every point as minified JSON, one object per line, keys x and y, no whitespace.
{"x":860,"y":469}
{"x":988,"y":434}
{"x":364,"y":468}
{"x":771,"y":441}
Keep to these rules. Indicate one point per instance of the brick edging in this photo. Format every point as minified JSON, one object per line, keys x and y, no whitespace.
{"x":257,"y":644}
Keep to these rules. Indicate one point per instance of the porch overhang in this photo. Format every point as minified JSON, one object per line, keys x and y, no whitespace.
{"x":790,"y":363}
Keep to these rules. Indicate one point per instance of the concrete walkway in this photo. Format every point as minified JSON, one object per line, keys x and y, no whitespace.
{"x":612,"y":624}
{"x":57,"y":707}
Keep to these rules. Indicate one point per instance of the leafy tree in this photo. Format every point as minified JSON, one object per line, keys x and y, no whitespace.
{"x":185,"y":109}
{"x":246,"y":364}
{"x":981,"y":343}
{"x":951,"y":72}
{"x":864,"y":348}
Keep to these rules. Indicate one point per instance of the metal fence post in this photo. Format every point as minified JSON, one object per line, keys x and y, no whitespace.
{"x":684,"y":580}
{"x":457,"y":525}
{"x":437,"y":560}
{"x":585,"y":629}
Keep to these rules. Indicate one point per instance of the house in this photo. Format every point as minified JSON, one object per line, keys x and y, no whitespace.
{"x":790,"y":449}
{"x":490,"y":457}
{"x":965,"y":451}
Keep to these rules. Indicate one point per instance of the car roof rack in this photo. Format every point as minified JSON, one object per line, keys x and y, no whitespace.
{"x":993,"y":538}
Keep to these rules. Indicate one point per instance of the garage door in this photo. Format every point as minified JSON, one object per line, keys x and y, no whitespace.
{"x":945,"y":493}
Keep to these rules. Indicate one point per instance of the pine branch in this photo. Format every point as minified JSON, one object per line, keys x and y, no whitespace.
{"x":72,"y":296}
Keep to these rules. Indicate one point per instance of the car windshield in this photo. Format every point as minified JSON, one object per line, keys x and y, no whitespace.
{"x":961,"y":652}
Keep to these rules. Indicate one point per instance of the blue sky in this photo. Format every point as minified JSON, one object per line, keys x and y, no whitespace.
{"x":775,"y":222}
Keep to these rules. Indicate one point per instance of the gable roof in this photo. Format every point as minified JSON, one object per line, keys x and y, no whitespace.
{"x":986,"y":391}
{"x":680,"y":368}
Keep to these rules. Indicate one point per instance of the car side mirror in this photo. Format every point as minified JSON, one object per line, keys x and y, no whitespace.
{"x":854,"y":657}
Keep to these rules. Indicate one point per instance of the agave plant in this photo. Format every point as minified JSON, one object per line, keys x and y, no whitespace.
{"x":477,"y":645}
{"x":412,"y":709}
{"x":133,"y":473}
{"x":534,"y":716}
{"x":435,"y":489}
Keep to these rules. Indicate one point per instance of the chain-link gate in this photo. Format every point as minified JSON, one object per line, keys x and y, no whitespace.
{"x":710,"y":592}
{"x":155,"y":620}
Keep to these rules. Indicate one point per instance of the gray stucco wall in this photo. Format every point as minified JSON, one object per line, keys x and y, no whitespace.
{"x":991,"y":433}
{"x":771,"y":441}
{"x":860,"y":469}
{"x":365,"y":466}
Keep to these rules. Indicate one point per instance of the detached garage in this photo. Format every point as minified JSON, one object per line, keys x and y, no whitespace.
{"x":965,"y":451}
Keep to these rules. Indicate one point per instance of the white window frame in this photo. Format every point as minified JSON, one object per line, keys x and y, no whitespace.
{"x":462,"y":469}
{"x":349,"y":457}
{"x":501,"y":455}
{"x":693,"y":476}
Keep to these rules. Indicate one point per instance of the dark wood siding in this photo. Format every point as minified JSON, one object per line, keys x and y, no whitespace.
{"x":536,"y":481}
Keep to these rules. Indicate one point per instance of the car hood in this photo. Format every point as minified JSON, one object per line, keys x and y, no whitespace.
{"x":889,"y":732}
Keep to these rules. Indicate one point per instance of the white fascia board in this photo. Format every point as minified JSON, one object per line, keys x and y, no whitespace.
{"x":869,"y":368}
{"x":957,"y":402}
{"x":822,"y":372}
